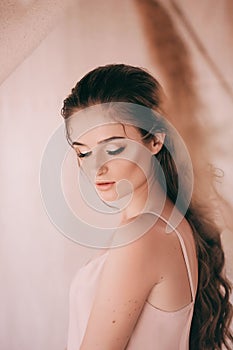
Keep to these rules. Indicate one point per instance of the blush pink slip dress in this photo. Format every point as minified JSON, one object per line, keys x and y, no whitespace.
{"x":155,"y":329}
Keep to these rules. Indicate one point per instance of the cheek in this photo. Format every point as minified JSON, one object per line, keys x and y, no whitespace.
{"x":123,"y":169}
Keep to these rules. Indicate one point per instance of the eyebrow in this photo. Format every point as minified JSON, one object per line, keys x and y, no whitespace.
{"x":102,"y":141}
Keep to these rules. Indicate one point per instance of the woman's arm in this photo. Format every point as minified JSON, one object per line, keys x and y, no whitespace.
{"x":124,"y":285}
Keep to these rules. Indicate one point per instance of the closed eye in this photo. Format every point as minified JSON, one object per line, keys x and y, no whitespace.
{"x":117,"y":151}
{"x":82,"y":155}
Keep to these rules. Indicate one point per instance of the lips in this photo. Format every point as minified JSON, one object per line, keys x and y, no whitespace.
{"x":104,"y":185}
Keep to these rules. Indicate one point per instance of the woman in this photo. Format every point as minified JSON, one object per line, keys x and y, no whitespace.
{"x":161,"y":291}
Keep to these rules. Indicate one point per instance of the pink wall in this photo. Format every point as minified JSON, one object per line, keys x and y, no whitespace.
{"x":37,"y":262}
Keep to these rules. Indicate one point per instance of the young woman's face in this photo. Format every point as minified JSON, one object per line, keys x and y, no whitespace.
{"x":115,"y":159}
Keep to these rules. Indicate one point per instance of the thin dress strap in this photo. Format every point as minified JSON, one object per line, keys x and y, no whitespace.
{"x":183,"y":247}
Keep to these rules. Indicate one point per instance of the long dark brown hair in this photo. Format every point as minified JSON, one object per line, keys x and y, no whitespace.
{"x":210,"y":328}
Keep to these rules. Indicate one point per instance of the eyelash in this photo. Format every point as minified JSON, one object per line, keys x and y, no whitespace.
{"x":82,"y":155}
{"x":117,"y":151}
{"x":112,"y":153}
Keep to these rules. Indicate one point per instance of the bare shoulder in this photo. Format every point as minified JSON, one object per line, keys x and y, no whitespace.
{"x":127,"y":277}
{"x":153,"y":246}
{"x":124,"y":285}
{"x":143,"y":249}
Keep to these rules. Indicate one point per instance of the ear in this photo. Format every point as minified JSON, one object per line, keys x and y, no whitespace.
{"x":157,"y":142}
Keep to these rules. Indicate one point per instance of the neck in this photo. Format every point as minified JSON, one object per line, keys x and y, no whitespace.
{"x":146,"y":198}
{"x":136,"y":205}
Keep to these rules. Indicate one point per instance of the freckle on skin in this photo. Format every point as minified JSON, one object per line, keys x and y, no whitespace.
{"x":113,"y":321}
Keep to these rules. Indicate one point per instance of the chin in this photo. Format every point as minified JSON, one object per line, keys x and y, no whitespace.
{"x":108,"y":196}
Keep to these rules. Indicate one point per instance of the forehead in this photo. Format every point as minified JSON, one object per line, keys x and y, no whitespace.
{"x":97,"y":134}
{"x":96,"y":123}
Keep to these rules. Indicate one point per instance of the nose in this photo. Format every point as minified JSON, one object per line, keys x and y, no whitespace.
{"x":102,"y":170}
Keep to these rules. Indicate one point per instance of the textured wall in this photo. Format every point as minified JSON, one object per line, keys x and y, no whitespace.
{"x":46,"y":47}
